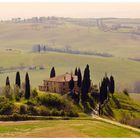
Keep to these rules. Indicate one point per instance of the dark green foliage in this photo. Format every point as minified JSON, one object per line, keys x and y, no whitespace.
{"x":32,"y":110}
{"x":7,"y":81}
{"x":52,"y":73}
{"x":52,"y":101}
{"x":17,"y":81}
{"x":104,"y":90}
{"x":34,"y":93}
{"x":111,"y":85}
{"x":74,"y":96}
{"x":79,"y":82}
{"x":43,"y":111}
{"x":6,"y":107}
{"x":76,"y":71}
{"x":27,"y":86}
{"x":71,"y":84}
{"x":72,"y":113}
{"x":87,"y":107}
{"x":85,"y":84}
{"x":23,"y":109}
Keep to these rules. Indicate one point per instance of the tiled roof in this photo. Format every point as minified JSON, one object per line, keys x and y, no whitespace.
{"x":63,"y":78}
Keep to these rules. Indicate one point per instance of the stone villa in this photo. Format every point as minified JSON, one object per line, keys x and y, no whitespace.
{"x":59,"y":84}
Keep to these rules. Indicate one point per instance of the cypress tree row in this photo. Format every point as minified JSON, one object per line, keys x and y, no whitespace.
{"x":112,"y":85}
{"x":107,"y":86}
{"x":7,"y":81}
{"x":76,"y":71}
{"x":27,"y":86}
{"x":79,"y":82}
{"x":52,"y":73}
{"x":17,"y":81}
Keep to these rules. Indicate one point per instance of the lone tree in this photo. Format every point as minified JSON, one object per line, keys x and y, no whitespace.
{"x":79,"y":82}
{"x":111,"y":85}
{"x":76,"y":71}
{"x":17,"y":82}
{"x":27,"y":86}
{"x":85,"y":84}
{"x":52,"y":73}
{"x":7,"y":81}
{"x":71,"y":84}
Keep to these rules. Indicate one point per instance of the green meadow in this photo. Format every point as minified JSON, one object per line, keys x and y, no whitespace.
{"x":126,"y":72}
{"x":70,"y":128}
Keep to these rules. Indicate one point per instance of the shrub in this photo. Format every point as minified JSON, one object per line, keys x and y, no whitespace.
{"x":32,"y":110}
{"x":6,"y":107}
{"x":23,"y":109}
{"x":34,"y":93}
{"x":55,"y":112}
{"x":52,"y":101}
{"x":72,"y":113}
{"x":43,"y":111}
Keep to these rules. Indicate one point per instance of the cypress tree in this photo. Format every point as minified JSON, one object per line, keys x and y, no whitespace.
{"x":104,"y":90}
{"x":88,"y":77}
{"x":71,"y":84}
{"x":52,"y":73}
{"x":7,"y":81}
{"x":76,"y":71}
{"x":27,"y":86}
{"x":111,"y":84}
{"x":79,"y":82}
{"x":85,"y":84}
{"x":17,"y":82}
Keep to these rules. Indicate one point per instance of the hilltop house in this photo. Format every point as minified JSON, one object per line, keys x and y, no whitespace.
{"x":59,"y":84}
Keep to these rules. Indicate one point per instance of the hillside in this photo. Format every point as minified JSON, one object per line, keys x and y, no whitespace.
{"x":124,"y":109}
{"x":126,"y":72}
{"x":118,"y":37}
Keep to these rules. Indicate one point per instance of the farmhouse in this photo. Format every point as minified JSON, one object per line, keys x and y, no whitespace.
{"x":59,"y":84}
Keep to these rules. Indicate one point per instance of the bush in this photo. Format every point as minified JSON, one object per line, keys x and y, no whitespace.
{"x":34,"y":93}
{"x":23,"y":109}
{"x":55,"y":112}
{"x":72,"y":113}
{"x":33,"y":110}
{"x":43,"y":111}
{"x":6,"y":107}
{"x":52,"y":101}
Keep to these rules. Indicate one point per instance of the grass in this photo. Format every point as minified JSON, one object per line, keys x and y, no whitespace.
{"x":123,"y":108}
{"x":73,"y":128}
{"x":135,"y":96}
{"x":126,"y":72}
{"x":24,"y":36}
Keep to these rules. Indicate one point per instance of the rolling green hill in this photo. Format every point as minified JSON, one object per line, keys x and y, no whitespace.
{"x":124,"y":109}
{"x":121,"y":42}
{"x":126,"y":72}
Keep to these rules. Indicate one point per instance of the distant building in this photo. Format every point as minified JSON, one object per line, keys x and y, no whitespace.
{"x":59,"y":84}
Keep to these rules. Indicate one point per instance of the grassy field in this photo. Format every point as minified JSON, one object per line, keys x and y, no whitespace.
{"x":126,"y":72}
{"x":25,"y":35}
{"x":73,"y":128}
{"x":123,"y":108}
{"x":21,"y":37}
{"x":135,"y":96}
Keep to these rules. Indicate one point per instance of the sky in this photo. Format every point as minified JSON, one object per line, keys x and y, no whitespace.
{"x":76,"y":10}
